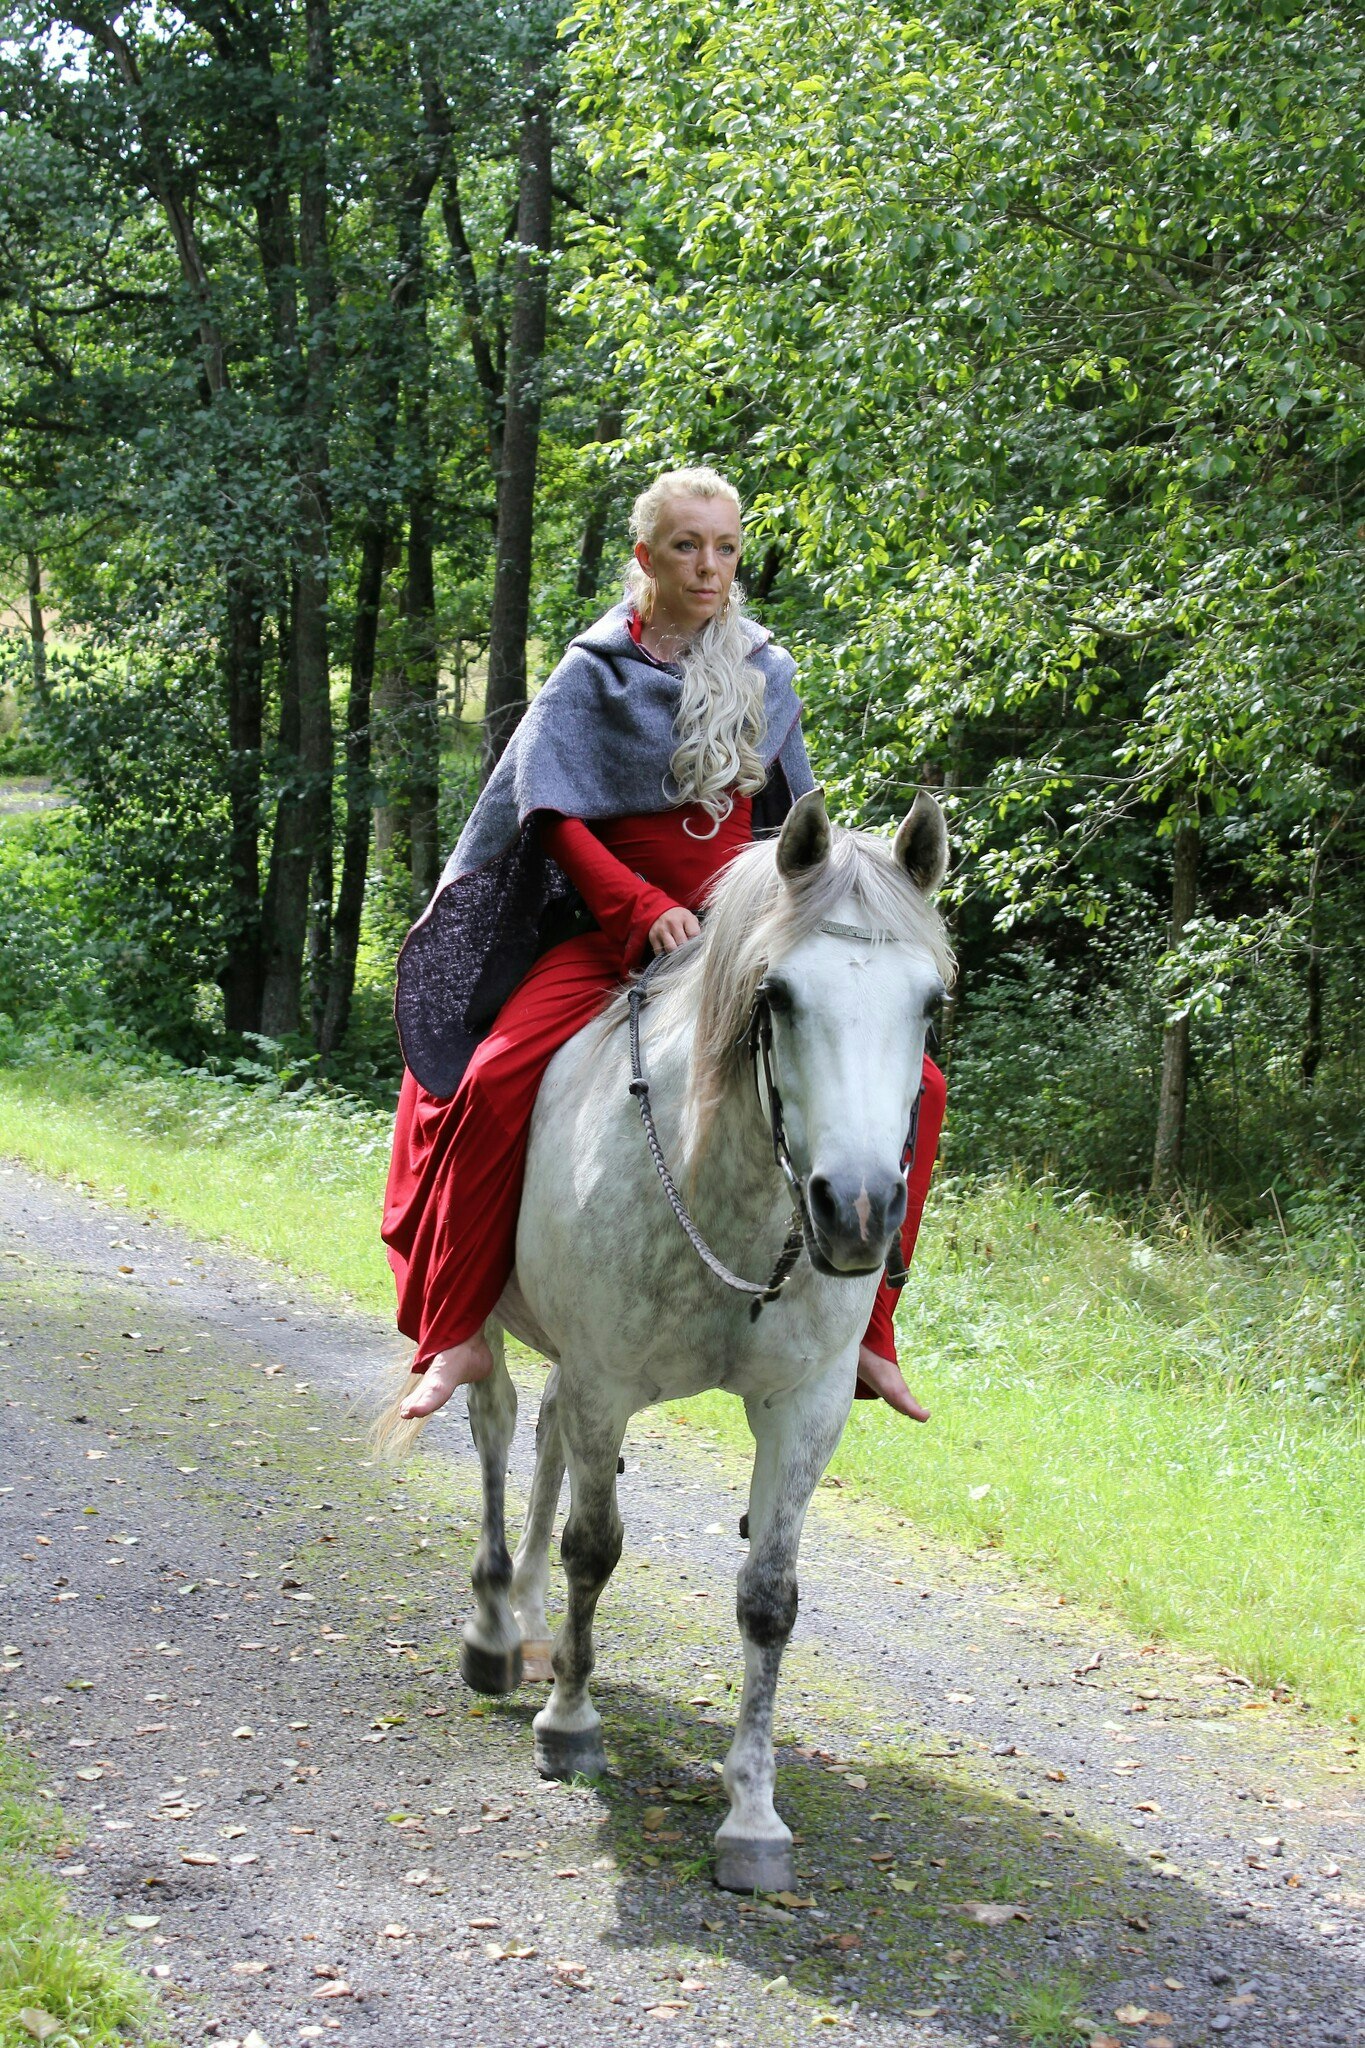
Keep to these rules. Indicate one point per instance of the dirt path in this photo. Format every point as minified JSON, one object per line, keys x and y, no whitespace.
{"x":230,"y":1643}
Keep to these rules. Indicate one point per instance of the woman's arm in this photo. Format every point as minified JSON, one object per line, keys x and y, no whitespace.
{"x":623,"y":903}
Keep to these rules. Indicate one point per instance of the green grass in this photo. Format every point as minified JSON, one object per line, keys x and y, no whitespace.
{"x":1157,"y":1426}
{"x":52,"y":1966}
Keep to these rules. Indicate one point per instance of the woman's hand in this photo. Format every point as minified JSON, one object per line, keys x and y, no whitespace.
{"x":672,"y":930}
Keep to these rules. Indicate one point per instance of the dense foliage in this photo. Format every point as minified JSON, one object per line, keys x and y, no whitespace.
{"x":1033,"y":334}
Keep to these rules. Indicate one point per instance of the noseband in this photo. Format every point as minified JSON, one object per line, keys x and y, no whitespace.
{"x":758,"y":1036}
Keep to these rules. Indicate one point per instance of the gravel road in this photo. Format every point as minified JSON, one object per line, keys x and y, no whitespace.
{"x":230,"y":1643}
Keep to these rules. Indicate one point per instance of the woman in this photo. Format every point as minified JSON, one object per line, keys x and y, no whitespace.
{"x":666,"y":737}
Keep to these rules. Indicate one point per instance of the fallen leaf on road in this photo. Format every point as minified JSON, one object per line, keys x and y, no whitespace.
{"x":571,"y":1870}
{"x":254,"y":2040}
{"x":243,"y":1734}
{"x":671,"y":2007}
{"x":484,"y":1923}
{"x":232,"y":1834}
{"x":904,"y":1884}
{"x":1057,"y":1777}
{"x":654,"y":1816}
{"x":338,"y":1988}
{"x":200,"y":1858}
{"x":140,"y":1922}
{"x":252,"y":1969}
{"x":990,"y":1912}
{"x":1132,"y":2015}
{"x":512,"y":1952}
{"x":395,"y":1931}
{"x":856,"y":1783}
{"x":792,"y":1902}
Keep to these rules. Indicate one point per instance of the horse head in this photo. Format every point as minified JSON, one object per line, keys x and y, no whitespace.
{"x":852,"y":997}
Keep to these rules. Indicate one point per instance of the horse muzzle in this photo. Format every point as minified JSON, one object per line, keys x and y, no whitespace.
{"x":853,"y":1218}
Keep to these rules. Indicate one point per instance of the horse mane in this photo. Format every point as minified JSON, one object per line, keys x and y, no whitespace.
{"x":753,"y":918}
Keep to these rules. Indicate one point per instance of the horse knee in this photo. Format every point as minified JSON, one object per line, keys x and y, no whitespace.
{"x":766,"y":1606}
{"x":591,"y":1552}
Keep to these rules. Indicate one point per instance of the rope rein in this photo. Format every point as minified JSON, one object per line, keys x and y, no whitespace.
{"x":759,"y":1036}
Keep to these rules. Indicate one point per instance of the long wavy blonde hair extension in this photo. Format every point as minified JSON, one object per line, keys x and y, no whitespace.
{"x":718,"y":730}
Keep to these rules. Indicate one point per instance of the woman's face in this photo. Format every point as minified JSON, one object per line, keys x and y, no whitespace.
{"x":692,"y":561}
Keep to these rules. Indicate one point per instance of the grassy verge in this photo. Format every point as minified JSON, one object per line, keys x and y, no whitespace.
{"x":59,"y":1981}
{"x":1157,"y":1426}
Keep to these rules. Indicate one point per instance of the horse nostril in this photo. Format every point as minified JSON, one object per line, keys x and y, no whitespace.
{"x":823,"y":1202}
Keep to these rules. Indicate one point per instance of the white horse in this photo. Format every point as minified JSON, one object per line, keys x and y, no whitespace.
{"x":835,"y":930}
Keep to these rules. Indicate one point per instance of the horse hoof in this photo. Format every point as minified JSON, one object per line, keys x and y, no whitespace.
{"x":536,"y":1668}
{"x":571,"y":1754}
{"x":755,"y":1867}
{"x":494,"y":1671}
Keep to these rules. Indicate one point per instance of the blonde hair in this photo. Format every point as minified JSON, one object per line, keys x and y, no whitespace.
{"x":718,"y":730}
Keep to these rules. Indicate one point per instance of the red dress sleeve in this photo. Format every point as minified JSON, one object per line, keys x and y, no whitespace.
{"x":622,"y":902}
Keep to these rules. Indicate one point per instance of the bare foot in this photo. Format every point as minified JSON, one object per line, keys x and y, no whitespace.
{"x":458,"y":1367}
{"x":887,"y":1380}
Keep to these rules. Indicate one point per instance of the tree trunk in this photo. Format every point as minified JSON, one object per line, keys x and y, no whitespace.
{"x":390,"y":811}
{"x":421,"y":662}
{"x":285,"y":909}
{"x":594,"y":539}
{"x":1310,"y":1059}
{"x":1175,"y":1044}
{"x":303,"y":826}
{"x":355,"y":856}
{"x":37,"y":631}
{"x":505,"y":699}
{"x":767,"y":574}
{"x":243,"y":670}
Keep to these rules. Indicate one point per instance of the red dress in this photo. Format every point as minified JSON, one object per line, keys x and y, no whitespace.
{"x":454,"y":1191}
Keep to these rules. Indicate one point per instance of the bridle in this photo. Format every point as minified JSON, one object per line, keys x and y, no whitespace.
{"x":758,"y":1037}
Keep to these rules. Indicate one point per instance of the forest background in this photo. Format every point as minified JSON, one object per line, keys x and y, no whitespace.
{"x":335,"y":341}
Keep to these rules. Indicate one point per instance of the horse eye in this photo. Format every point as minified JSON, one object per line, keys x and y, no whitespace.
{"x":779,"y":997}
{"x":933,"y":1007}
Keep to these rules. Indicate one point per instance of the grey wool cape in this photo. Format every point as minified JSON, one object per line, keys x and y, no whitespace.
{"x":595,"y":743}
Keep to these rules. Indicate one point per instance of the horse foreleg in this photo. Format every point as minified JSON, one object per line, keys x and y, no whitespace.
{"x":568,"y":1729}
{"x":794,"y":1439}
{"x":490,"y":1660}
{"x":531,"y":1566}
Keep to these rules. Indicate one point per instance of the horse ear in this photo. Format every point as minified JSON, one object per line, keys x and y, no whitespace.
{"x":922,"y":843}
{"x":805,"y":837}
